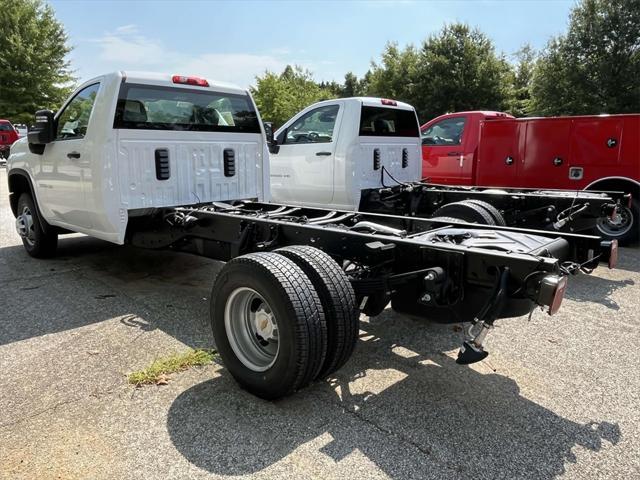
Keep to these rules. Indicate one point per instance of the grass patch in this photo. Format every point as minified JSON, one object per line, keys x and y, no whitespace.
{"x":157,"y":373}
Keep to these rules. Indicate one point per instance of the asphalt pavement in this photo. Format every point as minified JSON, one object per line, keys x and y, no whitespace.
{"x":557,"y":397}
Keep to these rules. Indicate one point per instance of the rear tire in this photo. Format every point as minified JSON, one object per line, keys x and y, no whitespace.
{"x":338,"y":303}
{"x":37,"y":242}
{"x":268,"y":324}
{"x":493,"y":211}
{"x":466,"y":212}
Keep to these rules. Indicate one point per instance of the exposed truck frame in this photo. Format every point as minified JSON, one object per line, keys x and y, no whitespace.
{"x":554,"y":210}
{"x":285,"y":307}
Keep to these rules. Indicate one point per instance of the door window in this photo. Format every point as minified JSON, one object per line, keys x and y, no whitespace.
{"x":74,"y":119}
{"x":315,"y":126}
{"x":445,"y":132}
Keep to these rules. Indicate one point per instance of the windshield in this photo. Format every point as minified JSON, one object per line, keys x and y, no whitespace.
{"x":6,"y":127}
{"x":167,"y":108}
{"x":388,"y":122}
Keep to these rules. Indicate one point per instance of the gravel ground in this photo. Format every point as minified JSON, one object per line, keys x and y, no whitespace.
{"x":557,"y":397}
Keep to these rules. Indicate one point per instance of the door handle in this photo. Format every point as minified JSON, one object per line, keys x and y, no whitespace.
{"x":323,"y":154}
{"x":73,"y":155}
{"x":454,"y":154}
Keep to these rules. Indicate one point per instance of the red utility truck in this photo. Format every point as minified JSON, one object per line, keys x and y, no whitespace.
{"x":600,"y":152}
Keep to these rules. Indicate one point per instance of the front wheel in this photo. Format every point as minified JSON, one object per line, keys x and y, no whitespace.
{"x":268,"y":324}
{"x":624,"y":227}
{"x":36,"y":241}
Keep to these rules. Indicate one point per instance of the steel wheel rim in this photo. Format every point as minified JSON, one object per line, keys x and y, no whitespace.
{"x":25,"y":226}
{"x":619,"y":227}
{"x":252,"y":329}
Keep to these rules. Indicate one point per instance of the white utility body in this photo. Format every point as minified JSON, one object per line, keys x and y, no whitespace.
{"x":325,"y":155}
{"x":101,"y":167}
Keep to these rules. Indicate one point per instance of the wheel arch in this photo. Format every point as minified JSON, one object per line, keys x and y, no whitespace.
{"x":624,"y":184}
{"x":20,"y":182}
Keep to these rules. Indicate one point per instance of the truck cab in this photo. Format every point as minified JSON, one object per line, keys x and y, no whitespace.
{"x":449,"y":146}
{"x":124,"y":143}
{"x":330,"y":152}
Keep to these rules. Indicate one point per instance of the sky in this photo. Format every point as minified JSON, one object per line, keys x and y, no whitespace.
{"x":233,"y":41}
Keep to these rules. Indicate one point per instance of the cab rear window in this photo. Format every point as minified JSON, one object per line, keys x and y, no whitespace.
{"x":150,"y":107}
{"x":388,"y":122}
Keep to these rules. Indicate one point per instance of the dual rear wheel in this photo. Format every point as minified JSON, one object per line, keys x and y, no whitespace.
{"x":283,"y":319}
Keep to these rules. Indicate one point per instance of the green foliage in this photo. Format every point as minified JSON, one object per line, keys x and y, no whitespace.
{"x":352,"y":86}
{"x":459,"y":69}
{"x":595,"y":67}
{"x":519,"y":103}
{"x":395,"y":76}
{"x":279,"y":97}
{"x":34,"y":72}
{"x":456,"y":69}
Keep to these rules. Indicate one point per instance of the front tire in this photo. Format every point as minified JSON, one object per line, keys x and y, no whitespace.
{"x":626,"y":227}
{"x":37,"y":242}
{"x":268,"y":324}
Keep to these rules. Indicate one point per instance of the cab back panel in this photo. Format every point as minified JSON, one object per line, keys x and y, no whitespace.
{"x":196,"y":168}
{"x":391,"y":158}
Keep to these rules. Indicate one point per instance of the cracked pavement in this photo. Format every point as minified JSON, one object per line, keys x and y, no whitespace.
{"x":557,"y":397}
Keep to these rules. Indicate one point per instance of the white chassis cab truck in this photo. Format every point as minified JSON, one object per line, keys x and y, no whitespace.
{"x":180,"y":163}
{"x":365,"y":154}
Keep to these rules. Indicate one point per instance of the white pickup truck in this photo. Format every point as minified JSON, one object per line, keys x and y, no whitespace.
{"x":175,"y":162}
{"x":365,"y":154}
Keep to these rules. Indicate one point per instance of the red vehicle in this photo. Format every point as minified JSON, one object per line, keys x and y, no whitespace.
{"x":495,"y":149}
{"x":8,"y":135}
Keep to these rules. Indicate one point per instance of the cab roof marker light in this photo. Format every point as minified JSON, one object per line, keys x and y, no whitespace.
{"x":386,"y":101}
{"x":184,"y":80}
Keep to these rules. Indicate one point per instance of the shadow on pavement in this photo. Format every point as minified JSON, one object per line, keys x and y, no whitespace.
{"x":148,"y":289}
{"x":592,"y":289}
{"x":444,"y":420}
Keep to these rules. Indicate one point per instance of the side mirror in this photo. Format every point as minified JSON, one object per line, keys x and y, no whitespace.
{"x":271,"y":142}
{"x":43,"y":131}
{"x":268,"y":130}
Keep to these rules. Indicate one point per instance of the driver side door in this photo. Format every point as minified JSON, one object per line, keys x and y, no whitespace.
{"x":302,"y":171}
{"x":442,"y":152}
{"x":66,"y":163}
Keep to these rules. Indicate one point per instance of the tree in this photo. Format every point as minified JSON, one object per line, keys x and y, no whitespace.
{"x":394,"y":77}
{"x":459,"y":69}
{"x":519,"y":103}
{"x":595,"y":67}
{"x":34,"y":71}
{"x":279,"y":97}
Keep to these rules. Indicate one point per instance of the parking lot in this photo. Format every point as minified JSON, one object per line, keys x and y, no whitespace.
{"x":558,"y":396}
